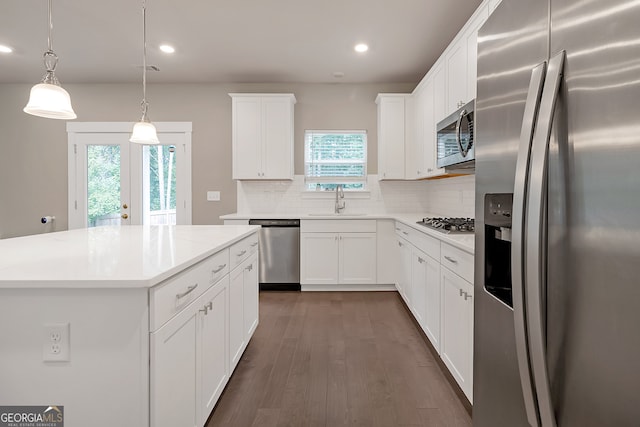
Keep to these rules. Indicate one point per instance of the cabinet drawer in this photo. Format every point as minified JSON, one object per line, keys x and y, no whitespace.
{"x":458,"y":261}
{"x":242,"y":250}
{"x":427,"y":244}
{"x":176,"y":293}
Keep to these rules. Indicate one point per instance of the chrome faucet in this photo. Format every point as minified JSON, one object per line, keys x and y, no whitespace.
{"x":340,"y":204}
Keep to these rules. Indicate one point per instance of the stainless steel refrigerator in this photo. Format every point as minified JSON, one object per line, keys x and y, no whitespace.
{"x":557,"y":273}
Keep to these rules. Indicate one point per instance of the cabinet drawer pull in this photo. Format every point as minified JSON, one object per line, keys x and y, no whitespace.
{"x":400,"y":244}
{"x":219,"y":269}
{"x":253,"y":245}
{"x":450,"y":259}
{"x":397,"y":229}
{"x":187,"y":292}
{"x":420,"y":260}
{"x":405,"y":233}
{"x":241,"y":253}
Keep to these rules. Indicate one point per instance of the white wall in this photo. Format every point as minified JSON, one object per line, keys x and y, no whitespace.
{"x":33,"y":150}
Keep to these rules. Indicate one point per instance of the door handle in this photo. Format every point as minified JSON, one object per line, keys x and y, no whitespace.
{"x":517,"y":240}
{"x":536,"y":212}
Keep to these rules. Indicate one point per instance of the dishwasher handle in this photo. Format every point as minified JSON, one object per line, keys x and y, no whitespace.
{"x":275,"y":222}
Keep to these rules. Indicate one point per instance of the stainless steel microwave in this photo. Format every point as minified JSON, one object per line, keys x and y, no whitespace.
{"x":455,"y":143}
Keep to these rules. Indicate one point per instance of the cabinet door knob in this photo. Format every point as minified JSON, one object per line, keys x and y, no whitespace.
{"x":124,"y":216}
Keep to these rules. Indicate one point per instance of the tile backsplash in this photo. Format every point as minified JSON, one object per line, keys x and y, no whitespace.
{"x":446,"y":197}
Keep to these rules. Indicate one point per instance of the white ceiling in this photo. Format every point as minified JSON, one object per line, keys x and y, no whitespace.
{"x":243,"y":41}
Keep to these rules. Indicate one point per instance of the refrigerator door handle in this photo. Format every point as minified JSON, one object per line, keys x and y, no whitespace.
{"x":532,"y":105}
{"x":534,"y":246}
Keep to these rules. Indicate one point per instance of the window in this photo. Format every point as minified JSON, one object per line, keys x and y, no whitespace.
{"x":335,"y":157}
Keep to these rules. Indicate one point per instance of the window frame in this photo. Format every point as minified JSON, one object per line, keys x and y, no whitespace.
{"x":334,"y":180}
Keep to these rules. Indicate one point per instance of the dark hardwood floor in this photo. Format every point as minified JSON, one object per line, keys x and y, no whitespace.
{"x":337,"y":359}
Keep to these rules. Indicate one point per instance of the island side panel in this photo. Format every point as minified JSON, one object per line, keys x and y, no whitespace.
{"x":107,"y":374}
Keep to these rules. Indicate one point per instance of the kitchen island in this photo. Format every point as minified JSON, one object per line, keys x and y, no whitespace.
{"x":128,"y":326}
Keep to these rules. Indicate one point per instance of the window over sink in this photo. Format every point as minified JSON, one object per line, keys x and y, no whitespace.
{"x":335,"y":157}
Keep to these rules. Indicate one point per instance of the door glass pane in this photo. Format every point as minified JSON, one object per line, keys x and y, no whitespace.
{"x":159,"y":185}
{"x":103,"y":185}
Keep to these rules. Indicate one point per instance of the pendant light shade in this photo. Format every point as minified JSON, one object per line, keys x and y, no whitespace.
{"x":144,"y":132}
{"x":48,"y":99}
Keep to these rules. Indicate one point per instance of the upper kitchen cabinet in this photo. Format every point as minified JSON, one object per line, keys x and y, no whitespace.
{"x":262,"y":132}
{"x":461,"y":61}
{"x":391,"y":135}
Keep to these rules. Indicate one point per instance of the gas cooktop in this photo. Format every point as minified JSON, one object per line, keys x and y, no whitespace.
{"x":449,"y":225}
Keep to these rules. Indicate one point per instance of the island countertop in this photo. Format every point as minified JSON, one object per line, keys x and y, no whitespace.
{"x":111,"y":257}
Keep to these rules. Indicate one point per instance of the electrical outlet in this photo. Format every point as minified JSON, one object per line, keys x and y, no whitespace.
{"x":55,"y":342}
{"x":213,"y":196}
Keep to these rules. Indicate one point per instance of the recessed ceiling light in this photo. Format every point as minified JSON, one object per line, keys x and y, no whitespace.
{"x":361,"y":48}
{"x":5,"y":49}
{"x":167,"y":49}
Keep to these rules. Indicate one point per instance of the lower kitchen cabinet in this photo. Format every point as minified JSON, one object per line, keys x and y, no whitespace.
{"x":425,"y":279}
{"x":213,"y":360}
{"x":196,"y":341}
{"x":331,"y":255}
{"x":404,"y":279}
{"x":338,"y":258}
{"x":319,"y":258}
{"x":457,"y":329}
{"x":173,"y":391}
{"x":243,"y":306}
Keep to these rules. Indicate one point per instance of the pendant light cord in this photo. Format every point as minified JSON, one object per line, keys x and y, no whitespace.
{"x":144,"y":61}
{"x":50,"y":39}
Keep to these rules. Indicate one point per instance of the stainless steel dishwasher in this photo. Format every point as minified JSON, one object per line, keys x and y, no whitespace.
{"x":279,"y":263}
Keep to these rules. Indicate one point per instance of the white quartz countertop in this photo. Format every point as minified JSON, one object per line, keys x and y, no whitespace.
{"x":466,"y":242}
{"x":111,"y":257}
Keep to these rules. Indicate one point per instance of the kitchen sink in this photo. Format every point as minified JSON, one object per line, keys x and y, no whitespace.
{"x":337,"y":214}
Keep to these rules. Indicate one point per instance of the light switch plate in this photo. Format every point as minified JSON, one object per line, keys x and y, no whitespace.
{"x":213,"y":196}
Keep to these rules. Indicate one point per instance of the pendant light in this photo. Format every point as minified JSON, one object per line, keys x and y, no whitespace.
{"x":144,"y":132}
{"x":48,"y":99}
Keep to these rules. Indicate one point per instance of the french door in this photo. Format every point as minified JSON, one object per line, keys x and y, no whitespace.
{"x":115,"y":182}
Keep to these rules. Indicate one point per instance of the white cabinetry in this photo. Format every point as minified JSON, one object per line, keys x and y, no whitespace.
{"x":420,"y":279}
{"x":194,"y":340}
{"x":173,"y":391}
{"x":243,"y":297}
{"x":435,"y":282}
{"x":213,"y":360}
{"x":202,"y":321}
{"x":457,"y":315}
{"x":262,"y":134}
{"x":337,"y":252}
{"x":461,"y":59}
{"x":391,"y":135}
{"x":457,"y":329}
